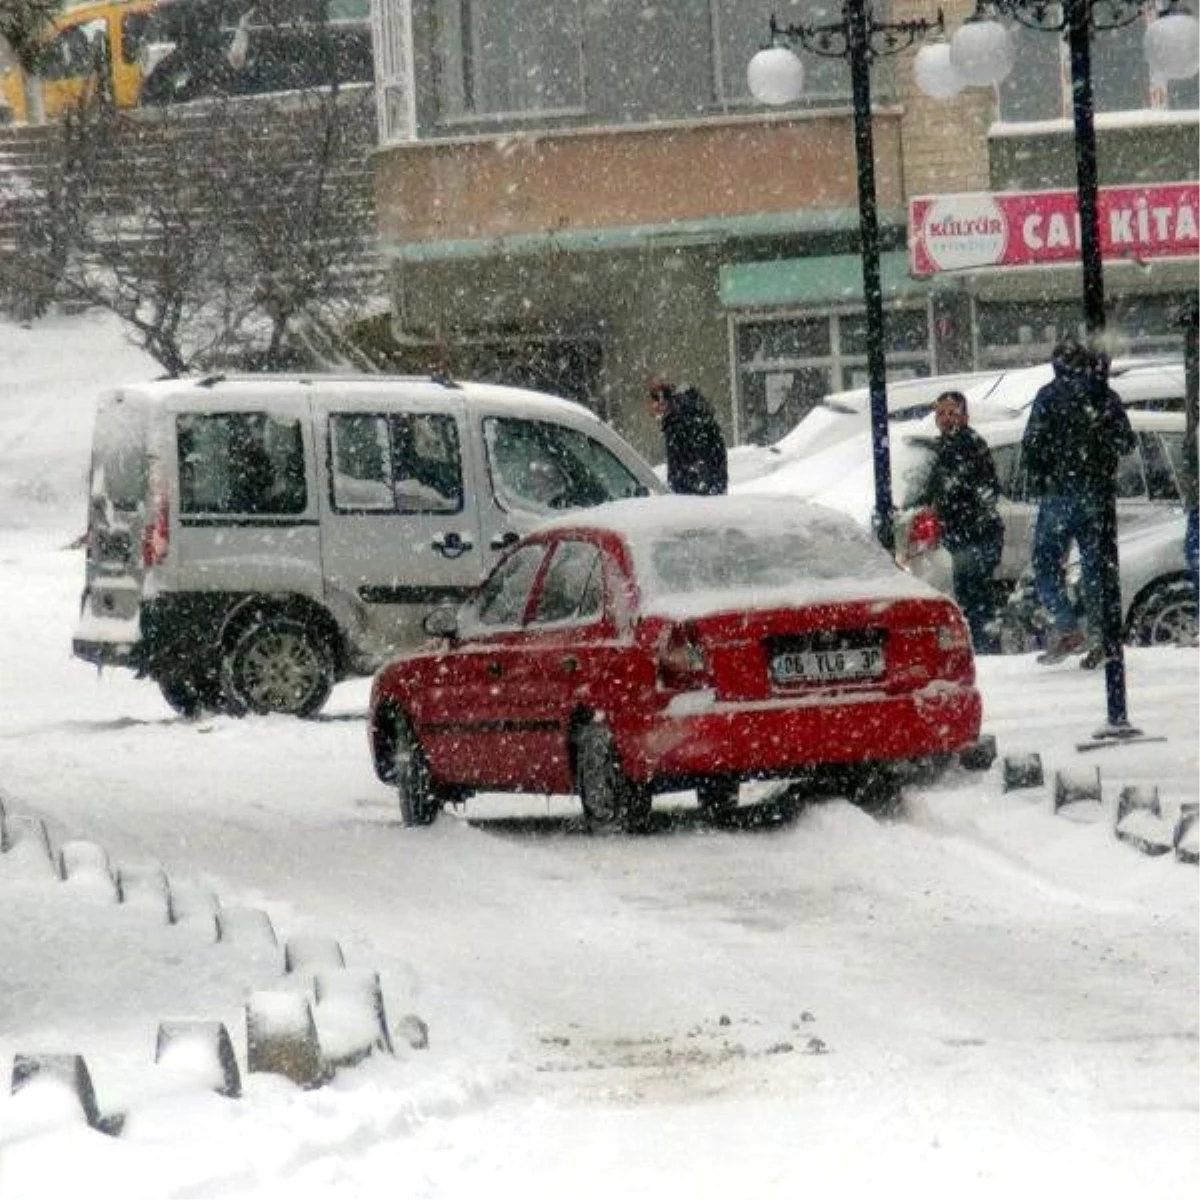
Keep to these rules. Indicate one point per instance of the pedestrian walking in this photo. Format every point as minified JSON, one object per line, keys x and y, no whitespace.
{"x":697,"y":461}
{"x":1076,"y":433}
{"x":963,"y":490}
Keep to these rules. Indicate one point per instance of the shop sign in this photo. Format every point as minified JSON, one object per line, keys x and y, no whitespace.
{"x":1021,"y":229}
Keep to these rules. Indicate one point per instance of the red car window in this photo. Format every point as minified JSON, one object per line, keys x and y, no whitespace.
{"x":572,"y":589}
{"x":504,"y":596}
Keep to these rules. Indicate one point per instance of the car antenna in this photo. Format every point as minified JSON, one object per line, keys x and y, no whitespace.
{"x":444,"y":379}
{"x":210,"y":380}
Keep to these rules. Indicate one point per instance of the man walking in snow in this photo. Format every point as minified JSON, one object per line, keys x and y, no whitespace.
{"x":1076,"y":433}
{"x":697,"y":461}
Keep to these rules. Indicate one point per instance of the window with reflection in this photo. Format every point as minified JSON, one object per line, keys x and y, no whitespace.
{"x":509,"y":56}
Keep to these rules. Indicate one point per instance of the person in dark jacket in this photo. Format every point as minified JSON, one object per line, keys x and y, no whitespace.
{"x":697,"y":461}
{"x":1076,"y":433}
{"x":963,"y":490}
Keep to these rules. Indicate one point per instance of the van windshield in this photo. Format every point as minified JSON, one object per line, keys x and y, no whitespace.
{"x":539,"y":465}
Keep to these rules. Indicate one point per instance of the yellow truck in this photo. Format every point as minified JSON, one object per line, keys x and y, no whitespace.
{"x":91,"y":45}
{"x":137,"y":52}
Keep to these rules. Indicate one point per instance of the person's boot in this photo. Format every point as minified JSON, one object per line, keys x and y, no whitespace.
{"x":1062,"y":645}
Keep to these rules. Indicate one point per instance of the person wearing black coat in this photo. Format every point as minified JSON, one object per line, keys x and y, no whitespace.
{"x":963,"y":490}
{"x":1076,"y":433}
{"x":697,"y":460}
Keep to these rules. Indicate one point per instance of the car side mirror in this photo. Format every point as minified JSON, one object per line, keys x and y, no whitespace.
{"x":442,"y":622}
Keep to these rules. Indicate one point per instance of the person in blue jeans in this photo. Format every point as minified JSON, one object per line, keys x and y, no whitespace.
{"x":1076,"y":433}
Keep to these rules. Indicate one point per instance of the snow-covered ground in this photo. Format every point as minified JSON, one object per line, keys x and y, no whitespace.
{"x":980,"y":998}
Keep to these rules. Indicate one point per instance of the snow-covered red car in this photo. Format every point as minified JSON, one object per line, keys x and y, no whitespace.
{"x":672,"y":642}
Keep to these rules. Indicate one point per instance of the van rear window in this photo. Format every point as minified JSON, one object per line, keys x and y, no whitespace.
{"x":240,"y":463}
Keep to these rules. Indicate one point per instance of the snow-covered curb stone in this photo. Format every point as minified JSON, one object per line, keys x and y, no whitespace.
{"x":324,"y":1017}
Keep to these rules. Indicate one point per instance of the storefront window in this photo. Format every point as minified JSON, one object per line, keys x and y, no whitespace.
{"x":786,"y":365}
{"x":1022,"y":333}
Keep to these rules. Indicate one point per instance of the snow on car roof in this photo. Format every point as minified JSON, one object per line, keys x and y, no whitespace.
{"x":697,"y":555}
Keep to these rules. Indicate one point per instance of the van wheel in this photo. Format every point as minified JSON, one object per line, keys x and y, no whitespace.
{"x":611,"y":801}
{"x":420,"y":798}
{"x":190,"y":695}
{"x":278,"y":664}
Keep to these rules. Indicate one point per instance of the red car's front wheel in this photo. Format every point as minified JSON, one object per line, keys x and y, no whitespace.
{"x":611,"y":800}
{"x":420,"y":798}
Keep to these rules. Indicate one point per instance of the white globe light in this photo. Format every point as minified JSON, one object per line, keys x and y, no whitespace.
{"x":1172,"y":46}
{"x":935,"y":73}
{"x":982,"y":52}
{"x":775,"y":76}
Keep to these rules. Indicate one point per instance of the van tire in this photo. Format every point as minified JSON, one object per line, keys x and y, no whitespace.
{"x":277,"y":664}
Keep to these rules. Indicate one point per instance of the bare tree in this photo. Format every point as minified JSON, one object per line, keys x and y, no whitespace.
{"x":230,"y":230}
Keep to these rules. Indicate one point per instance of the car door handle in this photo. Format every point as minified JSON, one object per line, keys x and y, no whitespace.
{"x":502,"y":541}
{"x":569,"y":665}
{"x":495,"y":669}
{"x":451,"y":544}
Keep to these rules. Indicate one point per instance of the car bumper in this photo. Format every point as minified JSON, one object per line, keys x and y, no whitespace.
{"x":716,"y":738}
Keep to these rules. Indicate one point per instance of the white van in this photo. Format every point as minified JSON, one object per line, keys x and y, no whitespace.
{"x":253,"y":540}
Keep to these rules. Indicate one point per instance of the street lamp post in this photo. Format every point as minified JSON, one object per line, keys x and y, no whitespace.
{"x":981,"y":52}
{"x":776,"y":76}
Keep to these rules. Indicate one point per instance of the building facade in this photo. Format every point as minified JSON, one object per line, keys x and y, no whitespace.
{"x":580,"y":193}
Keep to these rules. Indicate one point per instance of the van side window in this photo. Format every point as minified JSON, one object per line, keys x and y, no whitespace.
{"x":405,"y":462}
{"x":239,"y":463}
{"x":540,"y":466}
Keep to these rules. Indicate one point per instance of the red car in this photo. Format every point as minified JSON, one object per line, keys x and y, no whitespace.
{"x":670,"y":642}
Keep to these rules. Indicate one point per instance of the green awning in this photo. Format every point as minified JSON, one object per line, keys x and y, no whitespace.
{"x":832,"y":279}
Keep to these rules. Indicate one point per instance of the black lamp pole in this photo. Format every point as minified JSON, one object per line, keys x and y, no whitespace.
{"x":1077,"y":14}
{"x":859,"y":38}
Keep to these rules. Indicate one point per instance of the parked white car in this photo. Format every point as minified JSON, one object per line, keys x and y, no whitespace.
{"x":1157,"y":599}
{"x":1149,"y":383}
{"x":842,"y":477}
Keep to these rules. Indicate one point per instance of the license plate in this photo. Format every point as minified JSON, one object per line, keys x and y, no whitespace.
{"x":822,"y":666}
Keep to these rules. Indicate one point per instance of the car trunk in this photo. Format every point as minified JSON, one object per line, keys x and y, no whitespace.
{"x":893,"y":645}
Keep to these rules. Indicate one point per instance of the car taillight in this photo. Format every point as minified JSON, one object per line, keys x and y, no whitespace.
{"x":156,"y":534}
{"x":682,"y":663}
{"x":925,"y":532}
{"x":956,"y":660}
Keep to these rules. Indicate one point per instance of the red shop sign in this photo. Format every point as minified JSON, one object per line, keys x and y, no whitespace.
{"x":1021,"y":229}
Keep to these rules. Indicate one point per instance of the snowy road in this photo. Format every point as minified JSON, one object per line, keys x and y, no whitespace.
{"x":978,"y":997}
